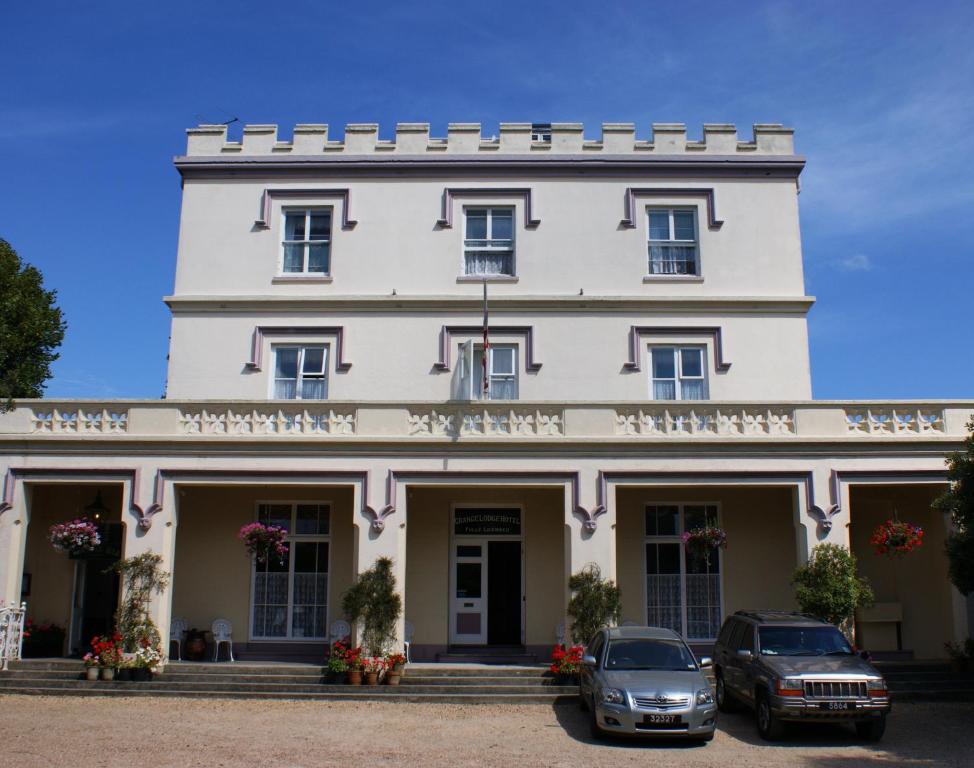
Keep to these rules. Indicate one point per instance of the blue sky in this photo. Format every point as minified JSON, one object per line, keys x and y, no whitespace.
{"x":96,"y":97}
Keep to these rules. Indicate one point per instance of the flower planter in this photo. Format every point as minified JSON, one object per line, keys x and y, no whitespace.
{"x":392,"y":678}
{"x":338,"y":678}
{"x":107,"y":673}
{"x":141,"y":675}
{"x":354,"y":677}
{"x":371,"y":678}
{"x":91,"y":673}
{"x":124,"y":674}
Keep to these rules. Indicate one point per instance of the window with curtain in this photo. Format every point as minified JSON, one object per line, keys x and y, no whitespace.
{"x":307,"y":242}
{"x":290,"y":598}
{"x":501,"y":373}
{"x":683,"y":592}
{"x":673,"y":241}
{"x":488,"y":241}
{"x":678,"y":373}
{"x":300,"y":373}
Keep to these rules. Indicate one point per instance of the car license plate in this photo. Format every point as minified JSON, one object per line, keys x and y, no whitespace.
{"x":837,"y":706}
{"x":661,"y":721}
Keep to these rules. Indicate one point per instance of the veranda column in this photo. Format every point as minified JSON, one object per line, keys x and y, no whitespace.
{"x":14,"y":518}
{"x":150,"y":526}
{"x":821,"y":519}
{"x":589,"y":533}
{"x":380,"y":531}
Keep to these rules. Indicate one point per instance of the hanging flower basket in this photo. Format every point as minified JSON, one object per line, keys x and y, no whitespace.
{"x":701,"y":542}
{"x":77,"y":537}
{"x":895,"y":537}
{"x":264,"y":541}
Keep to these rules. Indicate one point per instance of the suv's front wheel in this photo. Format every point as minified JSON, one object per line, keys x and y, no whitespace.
{"x":725,"y":702}
{"x":871,"y":730}
{"x":769,"y":726}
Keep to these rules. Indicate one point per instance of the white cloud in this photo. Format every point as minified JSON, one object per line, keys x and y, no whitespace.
{"x":857,"y":262}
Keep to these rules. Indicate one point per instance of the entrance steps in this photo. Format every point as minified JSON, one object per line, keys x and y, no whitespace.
{"x":511,"y":655}
{"x":468,"y":684}
{"x":926,"y":681}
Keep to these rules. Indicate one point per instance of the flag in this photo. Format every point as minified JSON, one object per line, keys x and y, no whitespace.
{"x":484,"y":358}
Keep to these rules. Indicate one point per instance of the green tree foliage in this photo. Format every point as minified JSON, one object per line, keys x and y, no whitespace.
{"x":373,"y":599}
{"x":142,"y":576}
{"x":829,"y":586}
{"x":958,"y":502}
{"x":595,"y":603}
{"x":31,"y":329}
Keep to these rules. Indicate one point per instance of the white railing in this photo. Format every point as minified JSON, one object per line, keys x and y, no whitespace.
{"x":11,"y":632}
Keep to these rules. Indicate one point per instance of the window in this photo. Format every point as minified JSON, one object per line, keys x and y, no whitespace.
{"x":672,"y":241}
{"x":300,"y":373}
{"x":501,"y":373}
{"x":488,"y":244}
{"x":307,"y":241}
{"x":678,"y":373}
{"x":683,"y":592}
{"x":290,"y":598}
{"x":541,"y":132}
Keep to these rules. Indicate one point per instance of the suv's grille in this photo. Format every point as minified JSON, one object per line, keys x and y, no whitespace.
{"x":670,"y":702}
{"x":835,"y":689}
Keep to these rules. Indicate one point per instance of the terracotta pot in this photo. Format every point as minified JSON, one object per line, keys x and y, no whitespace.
{"x":371,"y":678}
{"x":355,"y":677}
{"x":107,"y":673}
{"x":393,"y":678}
{"x":399,"y":669}
{"x":195,"y":647}
{"x":91,"y":673}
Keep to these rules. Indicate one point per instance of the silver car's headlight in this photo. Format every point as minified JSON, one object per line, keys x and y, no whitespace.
{"x":704,"y":696}
{"x":612,"y":696}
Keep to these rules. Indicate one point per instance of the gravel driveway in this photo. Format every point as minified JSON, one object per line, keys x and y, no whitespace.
{"x":59,"y":731}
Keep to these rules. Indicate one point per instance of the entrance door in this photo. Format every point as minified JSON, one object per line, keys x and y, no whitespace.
{"x":504,"y":592}
{"x":469,"y":590}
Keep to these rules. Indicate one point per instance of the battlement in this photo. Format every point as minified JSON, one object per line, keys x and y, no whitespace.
{"x":514,"y":138}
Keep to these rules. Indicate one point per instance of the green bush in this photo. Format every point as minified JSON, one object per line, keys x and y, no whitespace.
{"x":958,"y":502}
{"x":373,"y":599}
{"x":828,"y":585}
{"x":595,"y":603}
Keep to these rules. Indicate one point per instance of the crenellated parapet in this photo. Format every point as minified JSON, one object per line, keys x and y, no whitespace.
{"x":311,"y":140}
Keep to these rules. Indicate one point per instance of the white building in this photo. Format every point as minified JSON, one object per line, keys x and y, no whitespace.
{"x":648,"y":371}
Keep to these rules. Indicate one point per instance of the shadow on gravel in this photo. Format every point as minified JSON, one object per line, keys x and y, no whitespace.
{"x":575,"y":723}
{"x":742,"y":727}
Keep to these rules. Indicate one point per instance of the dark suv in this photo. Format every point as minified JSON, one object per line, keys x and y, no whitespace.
{"x":792,"y":667}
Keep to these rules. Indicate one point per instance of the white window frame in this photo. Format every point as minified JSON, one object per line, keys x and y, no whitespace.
{"x":672,"y":241}
{"x":678,"y":350}
{"x":291,"y":539}
{"x":307,"y":213}
{"x":490,"y":209}
{"x":468,"y":375}
{"x":276,"y":348}
{"x":676,"y":539}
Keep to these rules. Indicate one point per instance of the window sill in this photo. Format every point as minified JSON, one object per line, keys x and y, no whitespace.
{"x":302,"y":279}
{"x":673,"y":278}
{"x":488,"y":279}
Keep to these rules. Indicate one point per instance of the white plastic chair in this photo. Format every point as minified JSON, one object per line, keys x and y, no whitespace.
{"x":177,"y":628}
{"x":339,"y":631}
{"x":407,"y":638}
{"x":560,"y":633}
{"x":222,"y":633}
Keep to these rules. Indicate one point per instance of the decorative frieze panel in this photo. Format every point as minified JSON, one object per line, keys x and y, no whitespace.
{"x":486,"y":422}
{"x":79,"y":421}
{"x":882,"y":422}
{"x":713,"y":422}
{"x":279,"y":422}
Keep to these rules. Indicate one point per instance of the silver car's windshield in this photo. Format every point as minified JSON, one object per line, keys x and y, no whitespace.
{"x":648,"y":654}
{"x":803,"y":641}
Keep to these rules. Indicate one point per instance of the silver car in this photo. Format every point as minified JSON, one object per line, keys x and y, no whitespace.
{"x":646,"y":681}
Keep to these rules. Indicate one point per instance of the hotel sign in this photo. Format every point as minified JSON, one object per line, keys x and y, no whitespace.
{"x":487,"y":522}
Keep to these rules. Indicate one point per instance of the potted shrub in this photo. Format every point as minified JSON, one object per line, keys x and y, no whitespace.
{"x":829,"y":586}
{"x":337,"y":665}
{"x":355,"y":661}
{"x":147,"y":661}
{"x":92,"y":663}
{"x":142,"y":577}
{"x":374,"y":601}
{"x":264,"y":541}
{"x":395,"y":664}
{"x":108,"y":650}
{"x":595,"y":603}
{"x":702,"y":542}
{"x":372,"y":668}
{"x":566,"y":663}
{"x":75,"y":537}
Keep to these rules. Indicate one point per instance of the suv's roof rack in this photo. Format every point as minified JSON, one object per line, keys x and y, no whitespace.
{"x":771,"y":615}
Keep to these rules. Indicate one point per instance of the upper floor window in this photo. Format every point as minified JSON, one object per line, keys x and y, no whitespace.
{"x":488,"y":241}
{"x":500,"y":373}
{"x":673,"y":242}
{"x":541,"y":132}
{"x":678,"y":373}
{"x":300,"y":373}
{"x":307,"y":242}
